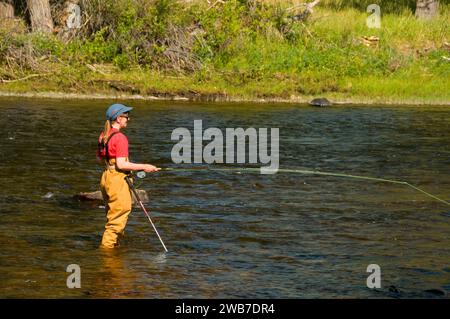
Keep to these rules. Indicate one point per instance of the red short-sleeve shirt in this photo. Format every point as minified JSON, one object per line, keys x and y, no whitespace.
{"x":117,"y":145}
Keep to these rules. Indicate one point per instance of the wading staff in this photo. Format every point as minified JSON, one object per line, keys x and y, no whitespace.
{"x":130,"y":184}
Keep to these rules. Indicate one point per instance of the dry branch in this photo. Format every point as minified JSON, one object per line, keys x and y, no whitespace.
{"x":22,"y":79}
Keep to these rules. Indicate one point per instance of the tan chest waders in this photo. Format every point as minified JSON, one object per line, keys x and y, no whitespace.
{"x":117,"y":196}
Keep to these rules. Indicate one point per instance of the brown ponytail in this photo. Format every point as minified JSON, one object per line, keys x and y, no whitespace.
{"x":106,"y":131}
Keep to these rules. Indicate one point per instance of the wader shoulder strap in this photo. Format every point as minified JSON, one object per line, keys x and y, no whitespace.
{"x":105,"y":145}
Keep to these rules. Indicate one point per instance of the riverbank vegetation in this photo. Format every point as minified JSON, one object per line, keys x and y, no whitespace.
{"x":242,"y":49}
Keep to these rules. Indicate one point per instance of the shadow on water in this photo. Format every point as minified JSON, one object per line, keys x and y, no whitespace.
{"x":229,"y":235}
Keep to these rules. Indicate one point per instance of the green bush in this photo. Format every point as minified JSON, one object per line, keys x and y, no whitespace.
{"x":98,"y":48}
{"x":245,"y":45}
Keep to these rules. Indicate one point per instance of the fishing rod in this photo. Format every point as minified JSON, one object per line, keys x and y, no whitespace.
{"x":313,"y":172}
{"x":133,"y":189}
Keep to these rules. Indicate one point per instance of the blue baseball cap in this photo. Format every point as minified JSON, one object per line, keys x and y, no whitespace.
{"x":115,"y":110}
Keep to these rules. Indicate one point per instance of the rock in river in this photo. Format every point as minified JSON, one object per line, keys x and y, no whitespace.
{"x":320,"y":102}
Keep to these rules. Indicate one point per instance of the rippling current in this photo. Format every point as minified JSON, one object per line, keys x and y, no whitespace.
{"x":229,"y":235}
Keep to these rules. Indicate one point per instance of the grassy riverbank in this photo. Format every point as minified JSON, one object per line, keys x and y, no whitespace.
{"x":236,"y":51}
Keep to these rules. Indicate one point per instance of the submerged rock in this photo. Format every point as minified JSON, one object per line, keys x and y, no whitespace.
{"x":97,"y":196}
{"x":320,"y":102}
{"x":393,"y":289}
{"x":436,"y":292}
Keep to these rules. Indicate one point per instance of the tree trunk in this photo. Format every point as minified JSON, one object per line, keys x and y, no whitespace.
{"x":427,"y":9}
{"x":6,"y":9}
{"x":40,"y":16}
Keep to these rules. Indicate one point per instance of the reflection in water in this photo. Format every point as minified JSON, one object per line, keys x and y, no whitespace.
{"x":229,"y":235}
{"x":117,"y":279}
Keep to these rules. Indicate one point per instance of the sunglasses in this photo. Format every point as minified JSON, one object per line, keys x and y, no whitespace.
{"x":125,"y":116}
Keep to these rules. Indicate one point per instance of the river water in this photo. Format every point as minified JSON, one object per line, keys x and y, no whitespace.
{"x":229,"y":235}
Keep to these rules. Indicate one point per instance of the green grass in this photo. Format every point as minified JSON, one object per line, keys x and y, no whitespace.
{"x":242,"y":53}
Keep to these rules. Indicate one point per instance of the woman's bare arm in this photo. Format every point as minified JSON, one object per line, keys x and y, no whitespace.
{"x":125,"y":165}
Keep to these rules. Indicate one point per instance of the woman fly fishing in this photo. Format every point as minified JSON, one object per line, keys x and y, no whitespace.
{"x":113,"y":152}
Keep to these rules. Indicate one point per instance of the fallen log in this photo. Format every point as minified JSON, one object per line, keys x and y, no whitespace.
{"x":307,"y":12}
{"x":22,"y":79}
{"x":371,"y":41}
{"x":97,"y":196}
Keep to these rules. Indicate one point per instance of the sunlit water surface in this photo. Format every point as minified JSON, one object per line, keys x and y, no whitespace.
{"x":229,"y":235}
